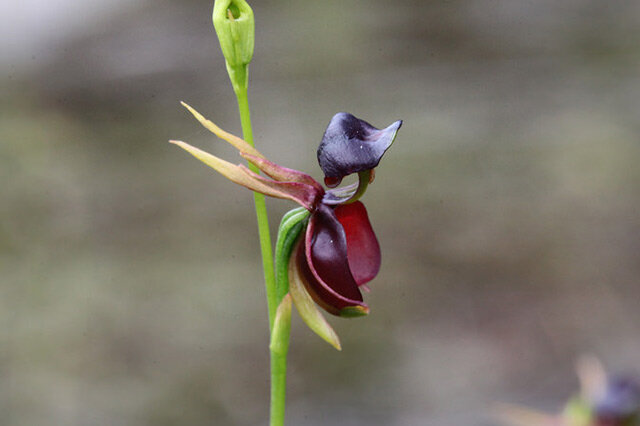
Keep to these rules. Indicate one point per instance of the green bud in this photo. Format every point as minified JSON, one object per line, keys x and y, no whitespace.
{"x":235,"y":26}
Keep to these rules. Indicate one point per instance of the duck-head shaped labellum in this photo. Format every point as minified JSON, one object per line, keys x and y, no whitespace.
{"x":351,"y":145}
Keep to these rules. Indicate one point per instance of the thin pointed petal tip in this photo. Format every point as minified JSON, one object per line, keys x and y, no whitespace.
{"x":352,"y":145}
{"x":237,"y":142}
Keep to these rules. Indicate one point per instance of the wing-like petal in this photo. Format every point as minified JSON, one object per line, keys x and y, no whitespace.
{"x":363,"y":250}
{"x":304,"y":195}
{"x":325,"y":267}
{"x":280,"y":173}
{"x":307,"y":196}
{"x":351,"y":145}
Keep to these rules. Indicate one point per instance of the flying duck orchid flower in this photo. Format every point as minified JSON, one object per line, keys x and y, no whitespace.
{"x":603,"y":400}
{"x":338,"y":252}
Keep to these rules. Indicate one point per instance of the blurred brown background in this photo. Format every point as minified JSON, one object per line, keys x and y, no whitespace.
{"x":508,"y":208}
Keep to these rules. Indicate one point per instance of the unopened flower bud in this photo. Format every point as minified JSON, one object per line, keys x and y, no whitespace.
{"x":235,"y":26}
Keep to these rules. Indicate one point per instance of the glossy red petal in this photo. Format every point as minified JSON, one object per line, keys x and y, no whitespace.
{"x":363,"y":250}
{"x":324,"y":264}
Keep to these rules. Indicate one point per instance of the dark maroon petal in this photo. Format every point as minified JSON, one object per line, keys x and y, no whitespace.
{"x":282,"y":174}
{"x":363,"y":250}
{"x":324,"y":264}
{"x":307,"y":196}
{"x":351,"y":145}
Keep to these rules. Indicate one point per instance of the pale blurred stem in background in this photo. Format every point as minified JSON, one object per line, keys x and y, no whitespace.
{"x":279,"y":340}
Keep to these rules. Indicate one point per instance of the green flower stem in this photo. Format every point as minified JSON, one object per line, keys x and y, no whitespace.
{"x":234,"y":24}
{"x":279,"y":382}
{"x":276,"y":286}
{"x":289,"y":231}
{"x":261,"y":210}
{"x":279,"y":347}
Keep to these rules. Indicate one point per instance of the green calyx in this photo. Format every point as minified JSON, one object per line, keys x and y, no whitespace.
{"x":234,"y":23}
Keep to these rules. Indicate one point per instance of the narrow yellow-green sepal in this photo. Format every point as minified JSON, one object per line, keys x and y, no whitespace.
{"x":239,"y":143}
{"x":308,"y":309}
{"x":281,"y":327}
{"x":235,"y":172}
{"x":243,"y":176}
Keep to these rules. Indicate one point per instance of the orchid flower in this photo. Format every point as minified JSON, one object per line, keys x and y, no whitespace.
{"x":603,"y":400}
{"x":338,"y":253}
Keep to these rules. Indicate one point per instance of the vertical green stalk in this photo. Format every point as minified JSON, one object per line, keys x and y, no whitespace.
{"x":279,"y":347}
{"x":261,"y":210}
{"x":289,"y":232}
{"x":278,"y":384}
{"x":234,"y":23}
{"x":280,"y":331}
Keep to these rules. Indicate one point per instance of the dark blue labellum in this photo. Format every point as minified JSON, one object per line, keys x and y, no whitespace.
{"x":351,"y":145}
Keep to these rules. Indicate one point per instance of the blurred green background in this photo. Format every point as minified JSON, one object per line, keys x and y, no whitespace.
{"x":507,"y":210}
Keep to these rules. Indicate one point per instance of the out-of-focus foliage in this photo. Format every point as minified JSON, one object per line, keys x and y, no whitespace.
{"x":507,"y":211}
